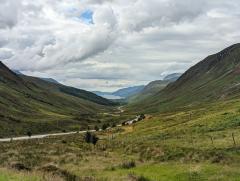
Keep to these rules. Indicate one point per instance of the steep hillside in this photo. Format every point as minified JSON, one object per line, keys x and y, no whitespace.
{"x":153,"y":88}
{"x":149,"y":90}
{"x":215,"y":78}
{"x":56,"y":87}
{"x":172,"y":77}
{"x":28,"y":103}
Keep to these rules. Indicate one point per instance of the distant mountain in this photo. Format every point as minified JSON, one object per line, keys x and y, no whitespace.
{"x":154,"y":87}
{"x":50,"y":80}
{"x":17,"y":72}
{"x":215,"y":78}
{"x":30,"y":103}
{"x":129,"y":91}
{"x":121,"y":93}
{"x":46,"y":79}
{"x":172,"y":77}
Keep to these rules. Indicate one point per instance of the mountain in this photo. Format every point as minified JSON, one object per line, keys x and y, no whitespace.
{"x":46,"y":79}
{"x":215,"y":78}
{"x":50,"y":80}
{"x":154,"y":87}
{"x":129,"y":91}
{"x":121,"y":93}
{"x":30,"y":103}
{"x":17,"y":72}
{"x":172,"y":77}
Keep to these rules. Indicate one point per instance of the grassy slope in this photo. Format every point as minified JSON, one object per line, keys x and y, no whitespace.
{"x":28,"y":103}
{"x":11,"y":175}
{"x":214,"y":78}
{"x":191,"y":142}
{"x":168,"y":146}
{"x":149,"y":90}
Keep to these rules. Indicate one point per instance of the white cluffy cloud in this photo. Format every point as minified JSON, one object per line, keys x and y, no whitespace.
{"x":110,"y":44}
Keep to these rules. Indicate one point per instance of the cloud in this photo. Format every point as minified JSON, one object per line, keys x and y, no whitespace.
{"x":105,"y":44}
{"x":9,"y":10}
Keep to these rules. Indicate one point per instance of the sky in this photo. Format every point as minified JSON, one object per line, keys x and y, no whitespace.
{"x":110,"y":44}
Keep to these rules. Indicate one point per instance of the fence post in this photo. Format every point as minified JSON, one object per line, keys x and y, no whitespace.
{"x":212,"y":140}
{"x":234,"y":142}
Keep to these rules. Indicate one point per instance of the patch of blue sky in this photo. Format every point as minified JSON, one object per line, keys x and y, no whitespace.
{"x":86,"y":16}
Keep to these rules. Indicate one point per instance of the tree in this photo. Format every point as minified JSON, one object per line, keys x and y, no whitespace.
{"x":91,"y":138}
{"x":96,"y":128}
{"x":87,"y":137}
{"x":94,"y":139}
{"x":105,"y":126}
{"x":29,"y":133}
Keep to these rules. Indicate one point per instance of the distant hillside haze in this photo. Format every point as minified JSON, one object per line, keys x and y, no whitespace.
{"x":154,"y":87}
{"x":172,"y":77}
{"x":121,"y":93}
{"x":215,"y":78}
{"x":130,"y":92}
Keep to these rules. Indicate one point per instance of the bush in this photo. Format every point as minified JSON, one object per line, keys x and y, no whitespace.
{"x":142,"y":178}
{"x":91,"y":138}
{"x":96,"y":128}
{"x":105,"y":126}
{"x":128,"y":165}
{"x":64,"y":141}
{"x":29,"y":133}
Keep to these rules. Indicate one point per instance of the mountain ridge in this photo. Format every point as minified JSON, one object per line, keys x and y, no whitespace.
{"x":212,"y":79}
{"x":30,"y":103}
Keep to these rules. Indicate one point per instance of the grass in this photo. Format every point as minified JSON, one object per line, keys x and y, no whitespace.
{"x":11,"y":175}
{"x":32,"y":104}
{"x":176,"y":172}
{"x":191,"y":144}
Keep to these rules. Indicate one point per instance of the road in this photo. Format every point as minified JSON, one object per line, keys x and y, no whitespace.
{"x":120,"y":108}
{"x":54,"y":134}
{"x":41,"y":136}
{"x":117,"y":113}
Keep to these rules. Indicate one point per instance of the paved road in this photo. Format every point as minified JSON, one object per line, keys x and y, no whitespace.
{"x":54,"y":134}
{"x":40,"y":136}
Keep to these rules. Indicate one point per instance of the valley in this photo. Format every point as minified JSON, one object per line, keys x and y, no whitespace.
{"x":190,"y":130}
{"x":168,"y":146}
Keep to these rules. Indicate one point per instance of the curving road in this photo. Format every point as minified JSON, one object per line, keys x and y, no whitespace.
{"x":41,"y":136}
{"x":120,"y":109}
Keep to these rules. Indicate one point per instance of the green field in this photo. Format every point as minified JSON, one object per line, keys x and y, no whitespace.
{"x":195,"y":143}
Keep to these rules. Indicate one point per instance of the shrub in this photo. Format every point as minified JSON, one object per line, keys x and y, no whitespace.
{"x":29,"y":133}
{"x":91,"y":138}
{"x":96,"y":128}
{"x":105,"y":126}
{"x":142,"y":178}
{"x":64,"y":141}
{"x":128,"y":165}
{"x":87,"y":137}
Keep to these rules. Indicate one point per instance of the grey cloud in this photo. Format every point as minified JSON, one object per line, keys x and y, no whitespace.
{"x":130,"y":42}
{"x":9,"y":13}
{"x":5,"y":54}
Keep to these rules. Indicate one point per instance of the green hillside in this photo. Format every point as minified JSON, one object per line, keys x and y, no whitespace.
{"x":184,"y":145}
{"x":149,"y":90}
{"x":215,"y":78}
{"x":191,"y":132}
{"x":28,"y":103}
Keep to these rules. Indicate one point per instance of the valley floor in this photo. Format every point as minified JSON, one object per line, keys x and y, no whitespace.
{"x":194,"y":143}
